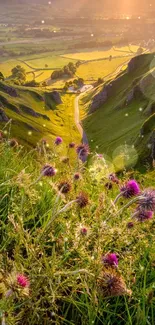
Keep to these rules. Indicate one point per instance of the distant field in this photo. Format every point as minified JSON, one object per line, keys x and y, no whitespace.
{"x":8,"y":65}
{"x":50,"y":60}
{"x":93,"y":70}
{"x":101,"y":53}
{"x":30,"y":63}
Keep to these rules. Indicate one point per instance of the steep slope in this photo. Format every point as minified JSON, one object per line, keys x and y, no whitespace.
{"x":121,"y":112}
{"x":35,"y":114}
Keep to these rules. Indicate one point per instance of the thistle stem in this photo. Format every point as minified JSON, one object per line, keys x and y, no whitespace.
{"x":118,"y":197}
{"x":47,"y":228}
{"x":130,"y":203}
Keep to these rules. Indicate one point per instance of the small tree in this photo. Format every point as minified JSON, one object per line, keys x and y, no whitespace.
{"x":19,"y":73}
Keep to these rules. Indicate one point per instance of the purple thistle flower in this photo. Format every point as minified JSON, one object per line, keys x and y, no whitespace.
{"x":84,"y":231}
{"x":111,"y":284}
{"x":58,"y":141}
{"x":130,"y":225}
{"x":82,"y":151}
{"x":71,"y":145}
{"x":23,"y":281}
{"x":131,"y":188}
{"x":48,"y":170}
{"x":143,"y":215}
{"x":64,"y":187}
{"x":82,"y":200}
{"x":110,"y":259}
{"x":76,"y":176}
{"x":147,"y":200}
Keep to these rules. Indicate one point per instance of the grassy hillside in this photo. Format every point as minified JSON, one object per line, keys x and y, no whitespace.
{"x":119,"y":121}
{"x":55,"y":119}
{"x":54,"y":267}
{"x":99,"y":69}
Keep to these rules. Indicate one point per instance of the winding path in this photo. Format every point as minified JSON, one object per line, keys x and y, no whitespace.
{"x":84,"y":90}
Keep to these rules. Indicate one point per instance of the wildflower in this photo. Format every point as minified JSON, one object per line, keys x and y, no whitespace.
{"x":64,"y":187}
{"x":110,"y":259}
{"x":82,"y":151}
{"x":111,"y":284}
{"x":143,"y":215}
{"x":130,"y":189}
{"x":76,"y":176}
{"x":82,"y":200}
{"x":84,"y":231}
{"x":13,"y":143}
{"x":71,"y":145}
{"x":147,"y":200}
{"x":23,"y":281}
{"x":58,"y":141}
{"x":130,"y":224}
{"x":48,"y":170}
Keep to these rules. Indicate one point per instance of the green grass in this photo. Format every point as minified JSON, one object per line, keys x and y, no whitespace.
{"x":62,"y":265}
{"x":61,"y":117}
{"x":53,"y":61}
{"x":116,"y":124}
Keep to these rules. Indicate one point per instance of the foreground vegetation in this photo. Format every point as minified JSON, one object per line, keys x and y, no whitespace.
{"x":58,"y":225}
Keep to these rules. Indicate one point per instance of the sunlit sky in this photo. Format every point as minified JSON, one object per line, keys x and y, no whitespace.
{"x":113,"y":6}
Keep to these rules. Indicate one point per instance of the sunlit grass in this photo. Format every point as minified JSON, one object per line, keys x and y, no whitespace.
{"x":63,"y":265}
{"x":100,"y":53}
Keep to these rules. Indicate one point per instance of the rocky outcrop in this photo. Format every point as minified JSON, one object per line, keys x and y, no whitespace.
{"x":55,"y":96}
{"x":3,"y":116}
{"x":146,"y":81}
{"x":134,"y":63}
{"x":133,"y":94}
{"x":98,"y":100}
{"x":30,"y":111}
{"x":107,"y":91}
{"x":5,"y":103}
{"x":10,"y":90}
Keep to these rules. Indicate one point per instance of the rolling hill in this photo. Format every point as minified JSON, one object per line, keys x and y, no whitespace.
{"x":121,"y":113}
{"x":36,"y":114}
